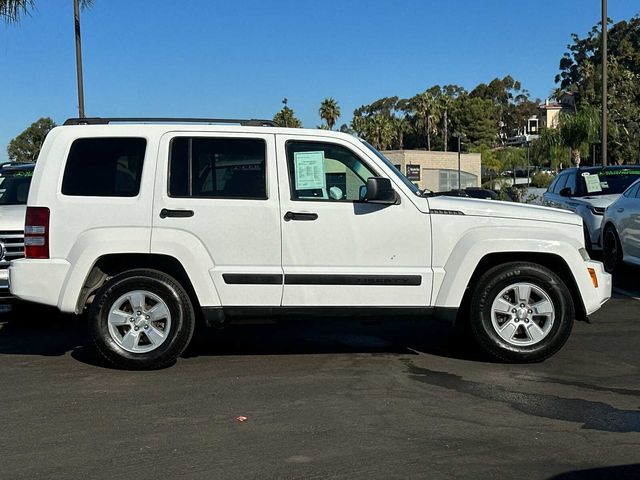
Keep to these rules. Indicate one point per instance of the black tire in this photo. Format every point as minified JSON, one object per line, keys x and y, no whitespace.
{"x":177,"y":301}
{"x":487,"y":289}
{"x":611,"y":249}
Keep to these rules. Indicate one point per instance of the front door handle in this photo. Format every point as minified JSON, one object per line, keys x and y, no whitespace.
{"x":620,"y":210}
{"x":300,"y":216}
{"x":165,"y":212}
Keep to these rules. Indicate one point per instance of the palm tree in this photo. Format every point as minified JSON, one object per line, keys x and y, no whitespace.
{"x":12,"y":11}
{"x":425,"y":113}
{"x":578,"y":130}
{"x":329,"y":112}
{"x":401,"y":126}
{"x":381,"y":131}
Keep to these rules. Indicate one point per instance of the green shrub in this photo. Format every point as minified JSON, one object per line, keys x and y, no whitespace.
{"x":541,"y":180}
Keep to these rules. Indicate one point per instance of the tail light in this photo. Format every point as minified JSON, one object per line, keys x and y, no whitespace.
{"x":36,"y":233}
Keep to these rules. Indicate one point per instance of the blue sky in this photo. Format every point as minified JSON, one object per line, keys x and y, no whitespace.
{"x":241,"y":58}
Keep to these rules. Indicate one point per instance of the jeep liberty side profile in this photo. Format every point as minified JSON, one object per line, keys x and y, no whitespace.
{"x":149,"y":223}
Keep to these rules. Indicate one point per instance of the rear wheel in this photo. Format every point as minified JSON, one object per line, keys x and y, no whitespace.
{"x":521,"y":312}
{"x":611,"y":249}
{"x":141,"y":319}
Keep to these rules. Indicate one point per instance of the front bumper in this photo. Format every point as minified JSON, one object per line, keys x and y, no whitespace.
{"x":5,"y":294}
{"x":594,"y":297}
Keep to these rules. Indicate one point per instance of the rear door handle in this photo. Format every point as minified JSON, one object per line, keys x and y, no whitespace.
{"x":300,"y":216}
{"x":165,"y":212}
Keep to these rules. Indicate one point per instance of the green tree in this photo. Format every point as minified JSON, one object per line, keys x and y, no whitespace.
{"x":512,"y":158}
{"x":578,"y":130}
{"x":489,"y":159}
{"x":512,"y":103}
{"x":382,"y":123}
{"x":580,"y":74}
{"x":478,"y":120}
{"x":425,"y":108}
{"x":401,"y":126}
{"x":549,"y":149}
{"x":286,"y":117}
{"x":13,"y":10}
{"x":382,"y":131}
{"x":329,"y":112}
{"x":447,"y":99}
{"x":26,"y":146}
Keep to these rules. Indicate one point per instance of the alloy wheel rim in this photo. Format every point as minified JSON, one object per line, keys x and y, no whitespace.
{"x":522,"y":314}
{"x":139,"y":321}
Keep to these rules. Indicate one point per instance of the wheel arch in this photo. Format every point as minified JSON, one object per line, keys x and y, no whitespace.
{"x":109,"y":265}
{"x":553,"y":262}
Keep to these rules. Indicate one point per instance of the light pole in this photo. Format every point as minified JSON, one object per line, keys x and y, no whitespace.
{"x":604,"y":82}
{"x":76,"y":14}
{"x":528,"y":163}
{"x":459,"y":136}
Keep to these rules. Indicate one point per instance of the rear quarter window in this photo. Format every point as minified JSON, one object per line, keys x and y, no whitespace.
{"x":104,"y":167}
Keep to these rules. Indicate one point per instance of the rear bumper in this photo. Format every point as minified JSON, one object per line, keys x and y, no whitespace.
{"x":39,"y":281}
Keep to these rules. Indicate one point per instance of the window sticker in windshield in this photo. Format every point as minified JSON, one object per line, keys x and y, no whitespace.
{"x":593,"y":183}
{"x":309,"y":170}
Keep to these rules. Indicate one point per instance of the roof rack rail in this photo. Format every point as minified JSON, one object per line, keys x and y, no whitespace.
{"x":105,"y":121}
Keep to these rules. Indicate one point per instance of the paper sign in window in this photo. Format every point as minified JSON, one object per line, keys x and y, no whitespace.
{"x":309,"y":170}
{"x":593,"y":183}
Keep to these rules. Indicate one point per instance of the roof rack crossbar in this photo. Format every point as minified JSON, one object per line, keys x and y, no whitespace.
{"x":104,"y":121}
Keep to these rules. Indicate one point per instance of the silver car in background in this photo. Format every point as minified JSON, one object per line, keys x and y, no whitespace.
{"x":621,"y":230}
{"x":588,"y":192}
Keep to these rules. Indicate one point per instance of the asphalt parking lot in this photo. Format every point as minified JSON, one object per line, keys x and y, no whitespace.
{"x":323,"y":399}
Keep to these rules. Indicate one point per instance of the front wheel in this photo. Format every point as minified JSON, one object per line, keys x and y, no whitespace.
{"x":611,"y":249}
{"x":521,"y":312}
{"x":141,"y":319}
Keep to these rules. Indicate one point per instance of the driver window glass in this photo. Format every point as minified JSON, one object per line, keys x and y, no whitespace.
{"x":634,"y":192}
{"x":571,"y":183}
{"x":324,"y":171}
{"x":562,"y":181}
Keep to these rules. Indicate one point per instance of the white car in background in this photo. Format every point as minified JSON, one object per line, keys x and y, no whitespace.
{"x":588,"y":192}
{"x":15,"y":179}
{"x":621,"y":230}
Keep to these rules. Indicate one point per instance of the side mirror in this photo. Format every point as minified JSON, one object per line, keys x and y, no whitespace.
{"x":565,"y":192}
{"x":379,"y":190}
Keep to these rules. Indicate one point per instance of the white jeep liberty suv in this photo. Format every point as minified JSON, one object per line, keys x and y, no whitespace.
{"x":151,"y":222}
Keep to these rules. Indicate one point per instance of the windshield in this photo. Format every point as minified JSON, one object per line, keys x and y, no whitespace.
{"x":608,"y":182}
{"x":393,"y":168}
{"x":14,"y":187}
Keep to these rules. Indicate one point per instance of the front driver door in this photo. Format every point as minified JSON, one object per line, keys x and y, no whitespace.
{"x":336,"y":249}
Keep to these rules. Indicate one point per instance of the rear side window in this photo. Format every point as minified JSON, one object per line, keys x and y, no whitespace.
{"x":104,"y":167}
{"x":217,"y":168}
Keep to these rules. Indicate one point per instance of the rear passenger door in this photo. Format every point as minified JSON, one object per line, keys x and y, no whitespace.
{"x":216,"y":209}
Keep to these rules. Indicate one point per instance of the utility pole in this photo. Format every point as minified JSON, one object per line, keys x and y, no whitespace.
{"x":76,"y":14}
{"x":528,"y":163}
{"x":459,"y":182}
{"x":604,"y":82}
